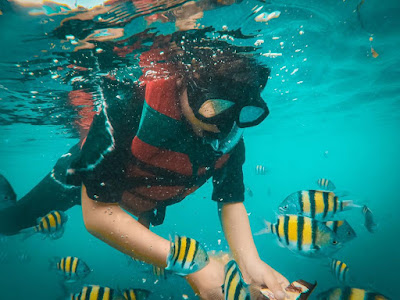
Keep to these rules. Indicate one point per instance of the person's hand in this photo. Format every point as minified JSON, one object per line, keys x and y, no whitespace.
{"x":208,"y":281}
{"x":258,"y":275}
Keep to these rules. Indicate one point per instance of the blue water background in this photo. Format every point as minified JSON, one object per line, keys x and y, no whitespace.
{"x":337,"y":117}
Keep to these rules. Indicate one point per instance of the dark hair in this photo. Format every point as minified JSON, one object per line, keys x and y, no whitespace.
{"x":208,"y":59}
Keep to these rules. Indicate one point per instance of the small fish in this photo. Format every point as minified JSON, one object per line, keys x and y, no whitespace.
{"x":135,"y":294}
{"x":297,"y":290}
{"x":350,"y":293}
{"x":96,"y":292}
{"x":51,"y":225}
{"x":159,"y":272}
{"x":304,"y":235}
{"x":342,"y":229}
{"x":374,"y":53}
{"x":339,"y":269}
{"x":186,"y":256}
{"x":7,"y":195}
{"x":23,"y":257}
{"x":72,"y":268}
{"x":326,"y":184}
{"x":261,"y":170}
{"x":369,"y":222}
{"x":316,"y":204}
{"x":263,"y":17}
{"x":234,"y":287}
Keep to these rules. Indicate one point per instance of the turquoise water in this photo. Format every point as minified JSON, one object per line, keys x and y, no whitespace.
{"x":335,"y":113}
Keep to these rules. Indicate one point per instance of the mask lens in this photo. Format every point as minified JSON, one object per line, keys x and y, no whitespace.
{"x":250,"y":114}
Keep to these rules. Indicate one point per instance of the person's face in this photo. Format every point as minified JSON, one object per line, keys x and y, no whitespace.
{"x":199,"y":128}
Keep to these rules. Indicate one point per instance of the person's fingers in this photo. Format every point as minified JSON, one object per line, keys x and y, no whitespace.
{"x":281,"y":279}
{"x":273,"y":284}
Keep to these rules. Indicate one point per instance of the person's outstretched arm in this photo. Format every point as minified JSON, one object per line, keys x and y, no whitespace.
{"x":237,"y":231}
{"x":113,"y":225}
{"x":117,"y":228}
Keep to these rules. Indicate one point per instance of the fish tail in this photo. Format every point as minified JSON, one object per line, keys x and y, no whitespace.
{"x":28,"y":232}
{"x":348,"y":204}
{"x":267,"y":228}
{"x":53,"y":263}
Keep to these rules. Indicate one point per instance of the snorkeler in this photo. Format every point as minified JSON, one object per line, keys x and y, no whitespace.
{"x":156,"y":141}
{"x":182,"y":126}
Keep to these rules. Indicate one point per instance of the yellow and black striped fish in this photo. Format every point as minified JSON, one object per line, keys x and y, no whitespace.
{"x":304,"y":235}
{"x":321,"y":205}
{"x":350,"y":293}
{"x":326,"y":184}
{"x":186,"y":256}
{"x":135,"y":294}
{"x":342,"y":229}
{"x":96,"y":292}
{"x":51,"y":225}
{"x":234,"y":287}
{"x":339,"y":270}
{"x":159,"y":272}
{"x":72,"y":268}
{"x":261,"y":170}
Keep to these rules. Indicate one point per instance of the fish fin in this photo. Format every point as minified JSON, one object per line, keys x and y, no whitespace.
{"x":311,"y":287}
{"x":342,"y":193}
{"x":58,"y":234}
{"x":53,"y":263}
{"x":171,"y":252}
{"x":28,"y":232}
{"x":267,"y":229}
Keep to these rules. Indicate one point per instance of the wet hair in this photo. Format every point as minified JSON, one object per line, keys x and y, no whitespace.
{"x":208,"y":59}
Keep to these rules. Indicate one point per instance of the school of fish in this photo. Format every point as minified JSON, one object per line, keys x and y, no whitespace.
{"x":310,"y":224}
{"x":307,"y":225}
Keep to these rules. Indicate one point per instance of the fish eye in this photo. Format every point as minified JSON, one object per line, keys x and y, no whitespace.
{"x":335,"y":242}
{"x":285,"y":207}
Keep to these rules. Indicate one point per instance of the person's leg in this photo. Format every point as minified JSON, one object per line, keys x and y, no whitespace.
{"x":49,"y":194}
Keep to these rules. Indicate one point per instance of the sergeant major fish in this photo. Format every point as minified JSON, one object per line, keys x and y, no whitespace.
{"x":96,"y":292}
{"x":234,"y":287}
{"x":315,"y":204}
{"x":51,"y":225}
{"x":350,"y":293}
{"x":304,"y":235}
{"x":339,"y":270}
{"x":186,"y":256}
{"x":72,"y":268}
{"x":261,"y":170}
{"x":135,"y":294}
{"x":159,"y":272}
{"x":7,"y":195}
